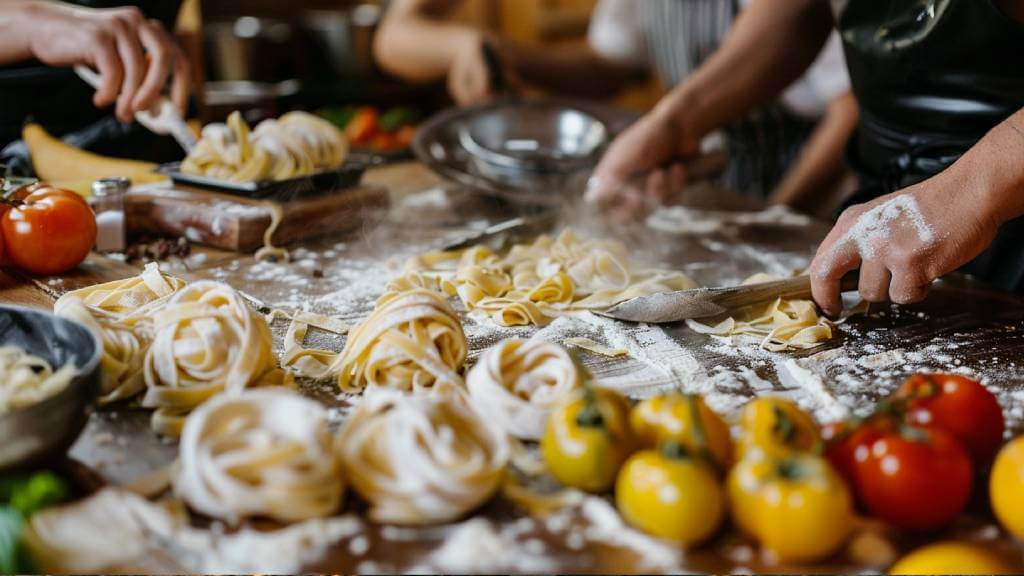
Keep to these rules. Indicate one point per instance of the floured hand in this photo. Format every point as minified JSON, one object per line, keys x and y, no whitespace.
{"x":903,"y":241}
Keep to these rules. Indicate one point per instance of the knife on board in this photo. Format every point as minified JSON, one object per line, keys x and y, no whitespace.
{"x":704,"y":302}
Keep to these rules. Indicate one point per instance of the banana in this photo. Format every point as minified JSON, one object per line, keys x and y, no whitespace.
{"x":54,"y":160}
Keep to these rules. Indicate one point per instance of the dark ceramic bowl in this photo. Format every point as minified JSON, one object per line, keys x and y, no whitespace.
{"x":43,"y":431}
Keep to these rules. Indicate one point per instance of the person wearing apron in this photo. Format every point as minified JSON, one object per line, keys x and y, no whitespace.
{"x":939,"y":148}
{"x":417,"y":41}
{"x":127,"y":42}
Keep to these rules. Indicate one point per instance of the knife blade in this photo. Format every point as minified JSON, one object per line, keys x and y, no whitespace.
{"x":504,"y":228}
{"x":705,"y":302}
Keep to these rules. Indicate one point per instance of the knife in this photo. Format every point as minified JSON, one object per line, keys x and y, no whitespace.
{"x":504,"y":228}
{"x":704,"y":302}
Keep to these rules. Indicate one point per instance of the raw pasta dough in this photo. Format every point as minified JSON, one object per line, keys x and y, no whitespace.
{"x":411,"y":342}
{"x":534,"y":282}
{"x":260,"y":453}
{"x":422,"y":459}
{"x":120,"y":312}
{"x":26,"y":379}
{"x":296,"y":144}
{"x":780,"y":326}
{"x":517,"y":382}
{"x":206,"y":340}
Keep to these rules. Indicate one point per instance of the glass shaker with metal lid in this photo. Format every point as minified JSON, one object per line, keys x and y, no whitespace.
{"x":108,"y":202}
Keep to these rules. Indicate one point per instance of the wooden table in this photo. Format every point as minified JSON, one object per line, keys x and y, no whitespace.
{"x":962,"y":327}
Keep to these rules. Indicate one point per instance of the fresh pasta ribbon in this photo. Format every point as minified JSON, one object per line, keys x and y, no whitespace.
{"x":295,"y":144}
{"x":532,"y":283}
{"x":422,"y":459}
{"x":411,"y":342}
{"x":516,"y":383}
{"x":206,"y":340}
{"x":782,"y":325}
{"x":120,"y":313}
{"x":266,"y":452}
{"x":26,"y":379}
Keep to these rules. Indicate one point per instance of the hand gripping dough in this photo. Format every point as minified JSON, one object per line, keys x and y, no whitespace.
{"x":206,"y":340}
{"x":265,"y":452}
{"x":422,"y":459}
{"x":411,"y":342}
{"x":120,"y":313}
{"x":517,"y":382}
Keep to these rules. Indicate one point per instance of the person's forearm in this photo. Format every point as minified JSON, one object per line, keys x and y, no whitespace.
{"x":995,"y":168}
{"x":820,"y":167}
{"x":415,"y":46}
{"x":576,"y":71}
{"x":16,"y":17}
{"x":771,"y":44}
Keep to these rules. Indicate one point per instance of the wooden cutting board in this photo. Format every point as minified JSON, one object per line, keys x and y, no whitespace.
{"x":234,"y":223}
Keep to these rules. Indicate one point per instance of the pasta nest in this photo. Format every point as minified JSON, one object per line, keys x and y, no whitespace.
{"x":422,"y":459}
{"x":517,"y":383}
{"x":26,"y":379}
{"x":206,"y":340}
{"x":295,"y":144}
{"x":412,"y":342}
{"x":264,"y":452}
{"x":119,"y":313}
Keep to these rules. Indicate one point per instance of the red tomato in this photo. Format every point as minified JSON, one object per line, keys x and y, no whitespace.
{"x":384,"y":142}
{"x":918,"y":479}
{"x":362,"y":127}
{"x":51,"y":231}
{"x":958,"y":405}
{"x":405,"y":135}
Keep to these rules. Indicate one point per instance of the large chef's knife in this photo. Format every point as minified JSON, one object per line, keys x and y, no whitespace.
{"x":705,"y":302}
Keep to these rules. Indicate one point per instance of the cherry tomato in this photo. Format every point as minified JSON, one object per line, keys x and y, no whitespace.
{"x":405,"y":135}
{"x":796,"y":506}
{"x":1006,"y":487}
{"x":50,"y":232}
{"x":777,"y":426}
{"x":952,"y":557}
{"x":916,"y":478}
{"x":362,"y":126}
{"x":842,"y":439}
{"x":958,"y":405}
{"x":587,"y":440}
{"x":673,"y":496}
{"x":686,"y":420}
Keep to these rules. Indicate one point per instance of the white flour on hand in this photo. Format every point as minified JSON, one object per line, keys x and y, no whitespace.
{"x":876,"y":226}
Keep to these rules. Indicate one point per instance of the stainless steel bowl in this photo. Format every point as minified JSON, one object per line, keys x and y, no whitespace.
{"x":45,"y":430}
{"x":534,"y":137}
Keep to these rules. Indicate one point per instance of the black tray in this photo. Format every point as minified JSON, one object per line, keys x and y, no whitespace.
{"x":349,"y":174}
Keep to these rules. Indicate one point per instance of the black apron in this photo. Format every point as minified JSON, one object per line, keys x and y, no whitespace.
{"x":932,"y":77}
{"x":62,"y":103}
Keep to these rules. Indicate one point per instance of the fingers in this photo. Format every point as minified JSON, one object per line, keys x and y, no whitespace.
{"x":161,"y":53}
{"x":108,"y":64}
{"x":874,"y":281}
{"x":129,"y":49}
{"x":833,"y":261}
{"x":909,"y":286}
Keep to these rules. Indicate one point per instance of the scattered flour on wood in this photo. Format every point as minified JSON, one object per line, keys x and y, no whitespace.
{"x":478,"y":546}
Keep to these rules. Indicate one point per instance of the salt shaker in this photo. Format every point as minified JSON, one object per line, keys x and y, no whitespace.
{"x":108,"y":197}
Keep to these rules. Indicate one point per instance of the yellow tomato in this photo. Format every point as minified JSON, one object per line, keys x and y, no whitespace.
{"x":805,"y":511}
{"x":1006,"y":487}
{"x":778,"y":427}
{"x":587,"y":440}
{"x":743,"y":485}
{"x":686,"y":420}
{"x":797,"y":507}
{"x":675,"y":498}
{"x":951,"y":557}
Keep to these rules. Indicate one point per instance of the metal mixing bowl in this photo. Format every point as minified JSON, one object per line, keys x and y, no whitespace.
{"x":526,"y":144}
{"x":37,"y":433}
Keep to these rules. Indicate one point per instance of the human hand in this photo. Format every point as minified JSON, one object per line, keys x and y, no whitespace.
{"x":903,"y":241}
{"x":133,"y":55}
{"x":645,"y":151}
{"x":471,"y":78}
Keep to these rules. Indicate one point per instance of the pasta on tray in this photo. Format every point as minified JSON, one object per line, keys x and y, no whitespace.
{"x":296,"y":144}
